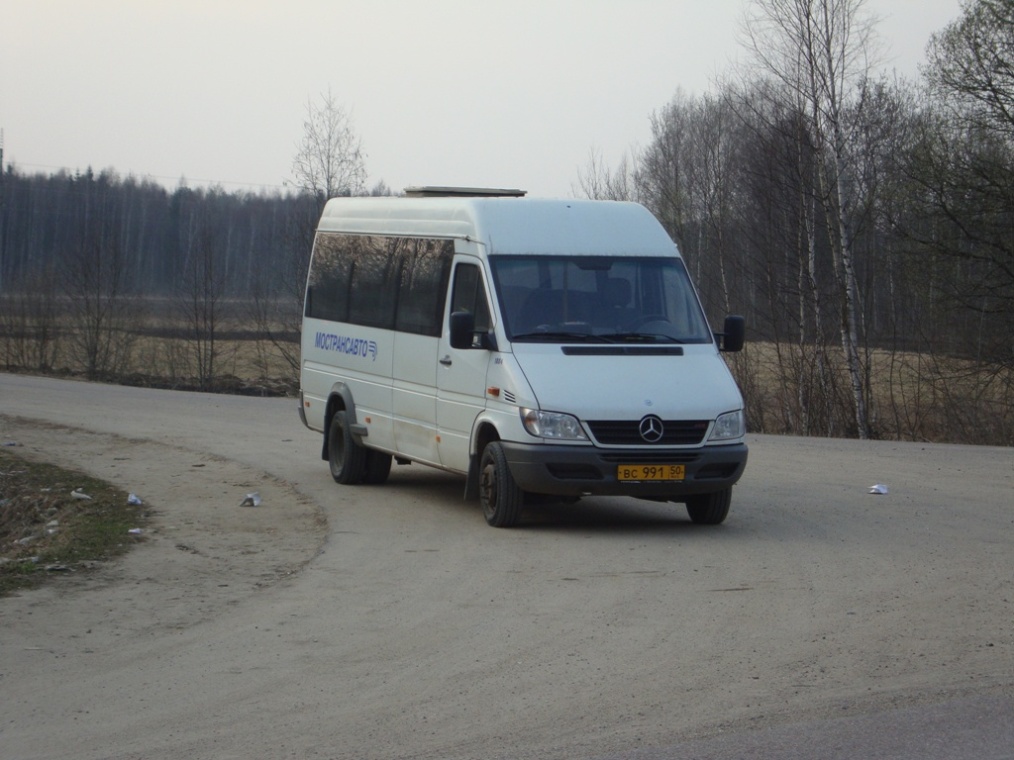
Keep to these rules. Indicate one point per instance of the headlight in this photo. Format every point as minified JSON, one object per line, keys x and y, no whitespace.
{"x":559,"y":427}
{"x":729,"y":426}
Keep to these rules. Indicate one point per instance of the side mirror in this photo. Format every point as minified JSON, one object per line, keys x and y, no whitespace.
{"x":733,"y":333}
{"x":462,"y":329}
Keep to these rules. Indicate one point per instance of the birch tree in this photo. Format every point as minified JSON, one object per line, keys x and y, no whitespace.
{"x":819,"y":52}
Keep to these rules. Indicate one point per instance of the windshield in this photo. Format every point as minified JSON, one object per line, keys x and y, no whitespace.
{"x":598,"y":299}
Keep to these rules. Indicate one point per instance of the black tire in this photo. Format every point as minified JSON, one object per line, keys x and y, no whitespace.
{"x":378,"y":467}
{"x":499,"y":494}
{"x":710,"y":508}
{"x":346,"y":457}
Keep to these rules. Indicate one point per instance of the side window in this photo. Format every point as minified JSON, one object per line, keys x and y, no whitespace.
{"x":389,"y":282}
{"x":375,"y":272}
{"x":423,"y":288}
{"x":470,"y":295}
{"x":327,"y":291}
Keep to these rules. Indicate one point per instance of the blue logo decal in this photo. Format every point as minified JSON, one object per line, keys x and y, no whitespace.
{"x":343,"y":344}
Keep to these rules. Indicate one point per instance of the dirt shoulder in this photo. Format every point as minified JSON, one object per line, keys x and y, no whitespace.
{"x":200,"y":551}
{"x":418,"y":631}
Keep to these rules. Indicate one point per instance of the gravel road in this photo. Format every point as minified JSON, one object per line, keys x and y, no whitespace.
{"x":391,"y":622}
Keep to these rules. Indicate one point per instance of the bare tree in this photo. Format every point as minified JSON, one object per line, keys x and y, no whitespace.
{"x":713,"y":166}
{"x":329,"y":157}
{"x":599,"y":182}
{"x":662,"y":180}
{"x":277,"y":304}
{"x":95,"y":274}
{"x":820,"y":53}
{"x":329,"y":163}
{"x":971,"y":65}
{"x":29,"y":323}
{"x":199,"y":296}
{"x":964,"y":168}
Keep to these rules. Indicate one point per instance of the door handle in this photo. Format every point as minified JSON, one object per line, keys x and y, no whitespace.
{"x":446,"y":361}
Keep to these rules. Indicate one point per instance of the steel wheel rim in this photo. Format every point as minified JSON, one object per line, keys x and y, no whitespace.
{"x":487,"y":488}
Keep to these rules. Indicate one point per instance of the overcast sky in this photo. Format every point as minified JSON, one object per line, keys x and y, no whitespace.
{"x":441,"y":92}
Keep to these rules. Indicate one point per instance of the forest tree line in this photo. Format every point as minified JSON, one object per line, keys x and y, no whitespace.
{"x":151,"y":235}
{"x":863,"y":225}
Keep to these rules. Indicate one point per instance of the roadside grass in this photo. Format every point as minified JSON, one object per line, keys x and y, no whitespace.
{"x":44,"y":530}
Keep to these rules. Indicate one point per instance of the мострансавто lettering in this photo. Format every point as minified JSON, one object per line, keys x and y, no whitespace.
{"x":343,"y":344}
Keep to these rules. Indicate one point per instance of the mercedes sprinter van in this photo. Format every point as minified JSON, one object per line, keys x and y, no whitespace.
{"x":541,"y":348}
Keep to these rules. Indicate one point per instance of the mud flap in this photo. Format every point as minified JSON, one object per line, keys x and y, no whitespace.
{"x":472,"y":479}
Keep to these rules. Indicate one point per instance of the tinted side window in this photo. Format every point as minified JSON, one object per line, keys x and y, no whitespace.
{"x":426,"y":264}
{"x":327,"y":291}
{"x":388,"y":282}
{"x":375,"y":274}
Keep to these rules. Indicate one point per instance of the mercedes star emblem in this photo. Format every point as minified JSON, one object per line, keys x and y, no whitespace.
{"x":651,"y":428}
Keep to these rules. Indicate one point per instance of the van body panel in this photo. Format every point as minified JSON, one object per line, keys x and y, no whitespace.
{"x":508,"y":226}
{"x":693,"y":386}
{"x":577,"y":227}
{"x":461,"y":397}
{"x":413,"y":399}
{"x":361,"y":357}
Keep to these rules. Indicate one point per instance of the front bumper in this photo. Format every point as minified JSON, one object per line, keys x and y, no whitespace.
{"x":588,"y":470}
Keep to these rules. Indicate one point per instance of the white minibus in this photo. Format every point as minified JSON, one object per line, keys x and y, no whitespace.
{"x":544,"y":349}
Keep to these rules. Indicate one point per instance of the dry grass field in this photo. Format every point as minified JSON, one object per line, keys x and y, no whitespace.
{"x":788,"y":389}
{"x":911,"y":396}
{"x":149,"y":343}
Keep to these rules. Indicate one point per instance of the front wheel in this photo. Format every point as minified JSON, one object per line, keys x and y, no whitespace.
{"x":499,"y":493}
{"x":710,"y":508}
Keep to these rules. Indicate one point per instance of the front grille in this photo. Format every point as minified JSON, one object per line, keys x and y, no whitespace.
{"x":628,"y":433}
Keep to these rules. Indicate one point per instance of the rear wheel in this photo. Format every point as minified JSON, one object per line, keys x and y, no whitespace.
{"x":378,"y":467}
{"x":499,"y":494}
{"x":346,"y":457}
{"x":710,"y":508}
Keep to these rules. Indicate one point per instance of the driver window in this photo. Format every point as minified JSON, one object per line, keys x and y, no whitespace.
{"x":469,"y":294}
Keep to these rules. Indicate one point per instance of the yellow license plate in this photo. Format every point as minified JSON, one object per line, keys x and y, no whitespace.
{"x":650,"y":472}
